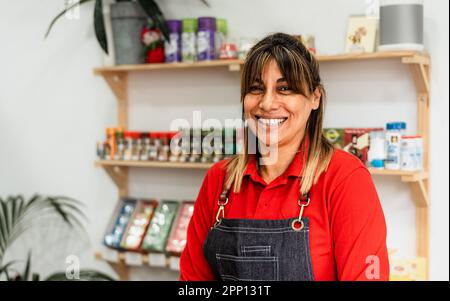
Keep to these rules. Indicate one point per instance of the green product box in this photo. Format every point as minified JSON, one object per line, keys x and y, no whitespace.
{"x":335,"y":136}
{"x":160,"y":226}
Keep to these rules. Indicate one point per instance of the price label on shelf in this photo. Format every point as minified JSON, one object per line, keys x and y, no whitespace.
{"x":110,"y":255}
{"x":157,"y":260}
{"x":174,"y":263}
{"x":132,"y":258}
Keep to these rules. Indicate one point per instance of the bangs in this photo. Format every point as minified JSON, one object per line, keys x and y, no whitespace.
{"x":293,"y":67}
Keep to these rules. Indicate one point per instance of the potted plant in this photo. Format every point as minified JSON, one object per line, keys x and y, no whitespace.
{"x":17,"y":216}
{"x":127,"y":18}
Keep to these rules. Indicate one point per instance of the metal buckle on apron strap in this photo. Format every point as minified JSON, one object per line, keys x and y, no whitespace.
{"x":223,"y":200}
{"x":297,"y":224}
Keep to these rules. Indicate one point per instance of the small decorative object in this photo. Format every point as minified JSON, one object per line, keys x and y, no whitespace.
{"x":401,"y":25}
{"x":308,"y":41}
{"x":228,"y":51}
{"x":361,"y":34}
{"x":153,"y":40}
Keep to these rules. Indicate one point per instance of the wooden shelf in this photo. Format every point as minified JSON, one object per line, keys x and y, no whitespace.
{"x":406,"y":176}
{"x":234,"y":65}
{"x":153,"y":164}
{"x":121,"y":261}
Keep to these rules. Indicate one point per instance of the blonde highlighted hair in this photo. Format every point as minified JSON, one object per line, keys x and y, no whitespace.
{"x":301,"y":70}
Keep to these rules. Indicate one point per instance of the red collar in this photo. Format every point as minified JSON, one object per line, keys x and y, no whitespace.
{"x":294,"y":169}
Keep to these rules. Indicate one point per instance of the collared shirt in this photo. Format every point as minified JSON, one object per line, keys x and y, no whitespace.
{"x":347,"y":224}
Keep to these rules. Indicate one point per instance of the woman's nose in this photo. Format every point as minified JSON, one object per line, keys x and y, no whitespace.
{"x":268,"y":102}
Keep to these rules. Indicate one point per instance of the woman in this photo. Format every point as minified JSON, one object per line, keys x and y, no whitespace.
{"x":297,"y":210}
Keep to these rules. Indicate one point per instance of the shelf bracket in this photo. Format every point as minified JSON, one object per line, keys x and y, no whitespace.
{"x":117,"y":81}
{"x":119,"y":174}
{"x":419,"y":68}
{"x":420,"y":193}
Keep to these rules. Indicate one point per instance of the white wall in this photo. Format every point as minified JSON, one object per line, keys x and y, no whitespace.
{"x":53,"y":109}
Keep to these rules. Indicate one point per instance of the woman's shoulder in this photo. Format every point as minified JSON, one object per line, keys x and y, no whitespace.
{"x":342,"y":165}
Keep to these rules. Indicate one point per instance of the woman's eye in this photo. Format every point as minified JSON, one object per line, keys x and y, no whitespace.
{"x":284,"y":88}
{"x":255,"y":89}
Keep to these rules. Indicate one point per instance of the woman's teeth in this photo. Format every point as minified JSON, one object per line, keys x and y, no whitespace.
{"x":271,"y":122}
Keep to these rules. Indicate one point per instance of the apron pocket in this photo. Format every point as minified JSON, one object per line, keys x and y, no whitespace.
{"x":250,"y":251}
{"x":246,"y":268}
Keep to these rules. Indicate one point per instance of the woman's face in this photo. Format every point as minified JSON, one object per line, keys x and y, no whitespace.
{"x":275,"y":112}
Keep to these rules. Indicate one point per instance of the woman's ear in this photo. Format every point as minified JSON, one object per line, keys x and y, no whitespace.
{"x":315,"y":98}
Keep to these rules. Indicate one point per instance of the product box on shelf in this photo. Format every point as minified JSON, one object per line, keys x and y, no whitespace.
{"x":158,"y":232}
{"x":335,"y":136}
{"x":118,"y":224}
{"x":178,"y":234}
{"x":357,"y":141}
{"x":138,"y":224}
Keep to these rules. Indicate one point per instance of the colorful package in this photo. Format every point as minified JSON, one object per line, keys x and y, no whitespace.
{"x":357,"y":142}
{"x":335,"y":136}
{"x":124,"y":210}
{"x":177,"y":238}
{"x":160,"y":226}
{"x":137,"y":227}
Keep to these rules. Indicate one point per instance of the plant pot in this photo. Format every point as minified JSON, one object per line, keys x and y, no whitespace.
{"x":127,"y":19}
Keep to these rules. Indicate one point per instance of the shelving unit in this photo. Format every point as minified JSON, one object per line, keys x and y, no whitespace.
{"x":418,"y":63}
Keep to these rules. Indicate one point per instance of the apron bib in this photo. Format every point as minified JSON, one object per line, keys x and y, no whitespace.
{"x":259,"y":250}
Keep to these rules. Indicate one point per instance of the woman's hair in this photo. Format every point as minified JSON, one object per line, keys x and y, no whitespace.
{"x":301,"y":70}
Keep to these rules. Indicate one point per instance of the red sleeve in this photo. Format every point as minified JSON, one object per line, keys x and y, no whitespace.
{"x":359,"y":229}
{"x":193,"y":265}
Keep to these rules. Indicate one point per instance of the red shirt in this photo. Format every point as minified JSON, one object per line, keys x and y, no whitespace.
{"x":347,"y":225}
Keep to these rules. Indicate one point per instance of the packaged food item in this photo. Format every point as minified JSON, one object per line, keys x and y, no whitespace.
{"x":160,"y":226}
{"x":101,"y":150}
{"x":177,"y":238}
{"x":136,"y":145}
{"x":120,"y":138}
{"x":244,"y":46}
{"x":335,"y":136}
{"x":172,"y":47}
{"x":155,"y":144}
{"x":394,"y":133}
{"x":206,"y":38}
{"x":357,"y":142}
{"x":145,"y":147}
{"x":196,"y":145}
{"x":376,"y":153}
{"x":185,"y":145}
{"x":188,"y":37}
{"x":219,"y":149}
{"x":138,"y":224}
{"x":414,"y":269}
{"x":221,"y":35}
{"x":175,"y":140}
{"x":411,"y":153}
{"x":164,"y":149}
{"x":207,"y":145}
{"x":111,"y":140}
{"x":116,"y":229}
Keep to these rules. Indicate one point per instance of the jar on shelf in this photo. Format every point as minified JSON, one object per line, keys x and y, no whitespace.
{"x":185,"y":145}
{"x":188,"y":40}
{"x":172,"y":47}
{"x":163,"y":154}
{"x":376,"y":153}
{"x":136,"y":145}
{"x":175,"y":139}
{"x":154,"y":146}
{"x":120,"y":145}
{"x":128,"y":149}
{"x":145,"y":140}
{"x":206,"y":39}
{"x":394,"y":133}
{"x":411,"y":153}
{"x":221,"y":35}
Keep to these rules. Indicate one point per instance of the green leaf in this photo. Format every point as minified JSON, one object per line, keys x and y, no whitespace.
{"x":85,"y":275}
{"x":62,"y":13}
{"x":154,"y":12}
{"x":99,"y":25}
{"x":26,"y":272}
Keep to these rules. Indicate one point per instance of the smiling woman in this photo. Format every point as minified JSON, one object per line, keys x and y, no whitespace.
{"x":298,"y":209}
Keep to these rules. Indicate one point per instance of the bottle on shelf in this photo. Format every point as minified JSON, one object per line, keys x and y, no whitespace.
{"x":394,"y":133}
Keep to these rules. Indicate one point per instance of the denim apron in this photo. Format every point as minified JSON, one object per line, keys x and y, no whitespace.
{"x":259,"y":250}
